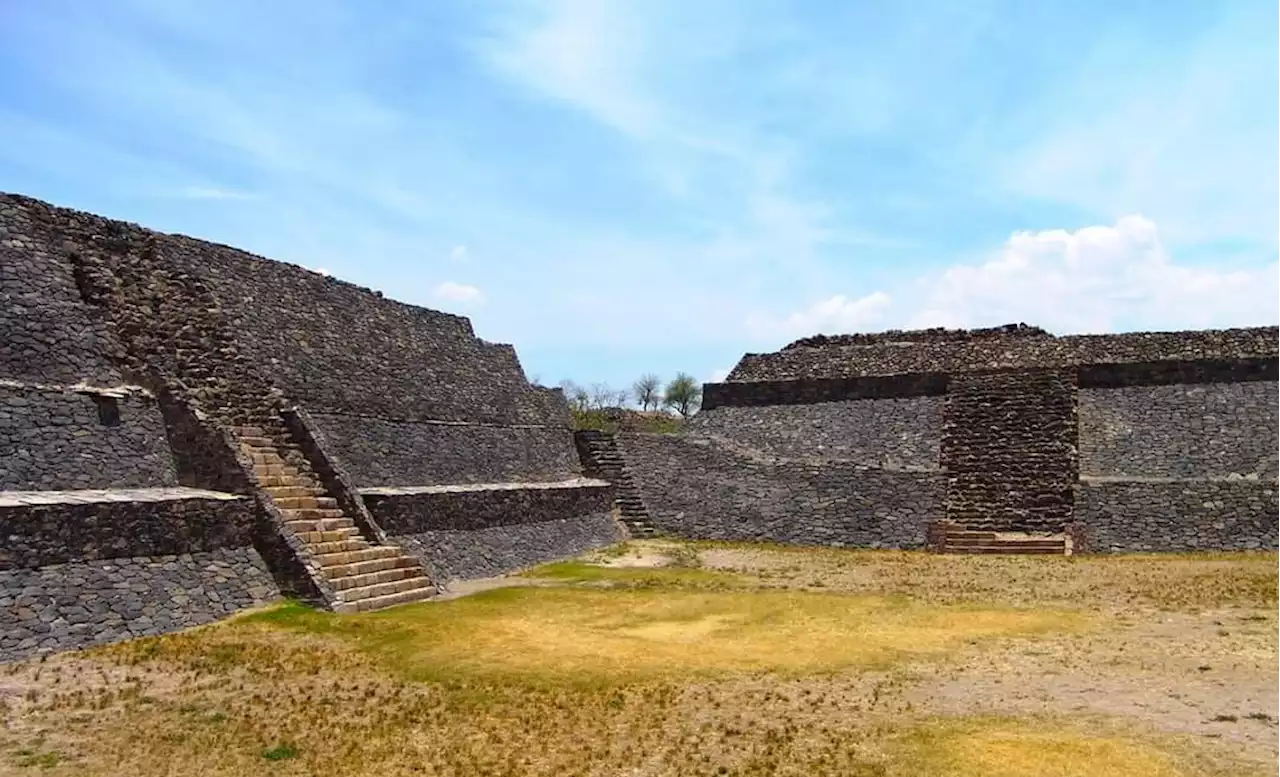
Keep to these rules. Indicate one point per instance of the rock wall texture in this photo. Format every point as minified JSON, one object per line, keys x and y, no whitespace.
{"x":1009,"y":449}
{"x":76,"y":570}
{"x":461,"y":533}
{"x":79,"y":604}
{"x":1013,"y":352}
{"x":384,"y":452}
{"x":1180,"y":431}
{"x":891,"y":433}
{"x":57,"y":438}
{"x":701,"y":488}
{"x":1130,"y":516}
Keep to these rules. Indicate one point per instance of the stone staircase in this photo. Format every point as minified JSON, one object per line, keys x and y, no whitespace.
{"x":364,"y":576}
{"x":600,"y":457}
{"x":959,"y":539}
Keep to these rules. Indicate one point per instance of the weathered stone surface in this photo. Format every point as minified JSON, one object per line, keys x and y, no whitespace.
{"x":1183,"y":431}
{"x":56,"y":438}
{"x":75,"y":605}
{"x":1129,"y":516}
{"x":1009,"y":449}
{"x":701,"y":488}
{"x":419,"y":509}
{"x":890,"y":433}
{"x":469,"y":554}
{"x":386,"y":452}
{"x":82,"y":527}
{"x":1009,"y":352}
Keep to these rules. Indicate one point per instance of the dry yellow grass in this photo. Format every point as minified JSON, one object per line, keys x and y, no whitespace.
{"x":678,"y":671}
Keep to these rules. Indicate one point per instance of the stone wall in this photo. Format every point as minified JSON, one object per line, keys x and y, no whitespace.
{"x":380,"y":452}
{"x":1009,"y":449}
{"x":1180,"y":431}
{"x":1128,"y":516}
{"x":83,"y":568}
{"x":460,"y":533}
{"x":338,"y":347}
{"x":76,"y":605}
{"x":900,"y":358}
{"x":52,"y":437}
{"x":890,"y":433}
{"x":700,"y":488}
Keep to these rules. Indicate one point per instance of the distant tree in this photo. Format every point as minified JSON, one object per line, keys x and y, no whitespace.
{"x":683,"y":394}
{"x":648,"y":391}
{"x":579,"y":398}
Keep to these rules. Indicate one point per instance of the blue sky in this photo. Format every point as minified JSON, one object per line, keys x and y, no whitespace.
{"x":619,"y":187}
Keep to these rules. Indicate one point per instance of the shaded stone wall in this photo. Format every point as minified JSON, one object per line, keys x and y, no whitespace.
{"x":699,"y":488}
{"x":890,"y":433}
{"x":55,"y":533}
{"x":75,"y":605}
{"x":1009,"y":449}
{"x":1180,"y":431}
{"x":48,"y":333}
{"x":54,"y":438}
{"x":462,"y":533}
{"x":1129,"y":516}
{"x":381,"y":452}
{"x":79,"y":574}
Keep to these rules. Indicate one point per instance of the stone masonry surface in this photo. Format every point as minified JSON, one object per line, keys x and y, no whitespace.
{"x":1132,"y":516}
{"x":475,"y":553}
{"x":699,"y":488}
{"x":890,"y":433}
{"x":900,"y":358}
{"x":383,"y":452}
{"x":75,"y":605}
{"x":1180,"y":431}
{"x":43,"y":528}
{"x":54,"y":438}
{"x":415,"y":510}
{"x":1009,"y":449}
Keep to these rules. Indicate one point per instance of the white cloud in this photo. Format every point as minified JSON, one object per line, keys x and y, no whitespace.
{"x":322,"y":271}
{"x":830,"y":316}
{"x":1093,"y":279}
{"x":213,"y":193}
{"x":458,"y":253}
{"x":718,"y":376}
{"x":458,"y":292}
{"x":1096,"y":279}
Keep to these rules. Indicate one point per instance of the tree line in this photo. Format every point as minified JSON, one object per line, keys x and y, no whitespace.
{"x":682,"y":394}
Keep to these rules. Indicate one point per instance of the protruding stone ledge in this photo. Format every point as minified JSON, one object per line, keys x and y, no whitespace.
{"x":97,"y":496}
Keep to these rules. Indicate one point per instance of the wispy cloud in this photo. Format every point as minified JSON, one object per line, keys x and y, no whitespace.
{"x":699,"y":165}
{"x":449,"y":291}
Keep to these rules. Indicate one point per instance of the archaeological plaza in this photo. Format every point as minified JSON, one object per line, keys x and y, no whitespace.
{"x":188,"y":431}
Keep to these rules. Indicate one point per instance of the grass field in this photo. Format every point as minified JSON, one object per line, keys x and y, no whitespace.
{"x":700,"y":659}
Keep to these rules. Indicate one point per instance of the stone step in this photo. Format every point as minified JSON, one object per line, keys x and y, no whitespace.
{"x":275,"y":470}
{"x":305,"y":502}
{"x":383,"y":589}
{"x":333,"y":535}
{"x":248,"y":431}
{"x":370,"y":578}
{"x":312,"y":513}
{"x":292,"y":489}
{"x":381,"y":602}
{"x":374,"y":565}
{"x":367,"y":553}
{"x":256,"y":442}
{"x":302,"y":526}
{"x":1008,"y":548}
{"x":1029,"y":541}
{"x":344,"y":545}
